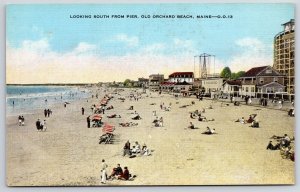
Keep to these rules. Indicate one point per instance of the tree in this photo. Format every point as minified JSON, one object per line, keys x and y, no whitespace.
{"x":127,"y":82}
{"x":240,"y":74}
{"x":226,"y":73}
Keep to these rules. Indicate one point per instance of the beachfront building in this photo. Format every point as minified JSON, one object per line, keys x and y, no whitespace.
{"x":232,"y":87}
{"x":183,"y":87}
{"x":284,"y":54}
{"x":167,"y":86}
{"x":181,"y":77}
{"x":154,"y":81}
{"x":212,"y":85}
{"x":262,"y":82}
{"x":143,"y":82}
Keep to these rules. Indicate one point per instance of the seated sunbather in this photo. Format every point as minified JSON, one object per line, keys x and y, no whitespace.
{"x":273,"y":147}
{"x":242,"y":120}
{"x":117,"y":172}
{"x":110,"y":107}
{"x":191,"y":126}
{"x":236,"y":103}
{"x":136,"y":148}
{"x":105,"y":137}
{"x":250,"y":120}
{"x":192,"y":116}
{"x":255,"y":124}
{"x":114,"y":116}
{"x":136,"y":117}
{"x":145,"y":150}
{"x":130,"y":108}
{"x":128,"y":124}
{"x":209,"y":131}
{"x":202,"y":118}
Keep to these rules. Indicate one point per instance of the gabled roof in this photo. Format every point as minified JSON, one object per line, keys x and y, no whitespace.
{"x":254,"y":71}
{"x":181,"y":73}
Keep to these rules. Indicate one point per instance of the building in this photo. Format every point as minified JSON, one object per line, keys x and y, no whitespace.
{"x":154,"y":81}
{"x":183,"y":88}
{"x":167,"y":86}
{"x":143,"y":82}
{"x":212,"y":85}
{"x":261,"y":82}
{"x":284,"y":53}
{"x":181,"y":77}
{"x":232,"y":87}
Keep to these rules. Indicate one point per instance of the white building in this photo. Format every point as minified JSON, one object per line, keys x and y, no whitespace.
{"x":212,"y":85}
{"x":177,"y":77}
{"x":232,"y":87}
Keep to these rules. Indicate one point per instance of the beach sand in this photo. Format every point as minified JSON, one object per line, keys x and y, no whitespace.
{"x":68,"y":153}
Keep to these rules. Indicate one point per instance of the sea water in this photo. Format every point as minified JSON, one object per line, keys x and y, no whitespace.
{"x":25,"y":99}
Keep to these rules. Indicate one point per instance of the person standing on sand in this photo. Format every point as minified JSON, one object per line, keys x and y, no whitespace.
{"x":103,"y":172}
{"x":48,"y":112}
{"x":22,"y":120}
{"x":88,"y":120}
{"x":38,"y":124}
{"x":161,"y":122}
{"x":44,"y":125}
{"x":45,"y":112}
{"x":82,"y":110}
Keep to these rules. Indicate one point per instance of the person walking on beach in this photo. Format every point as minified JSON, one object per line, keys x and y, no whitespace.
{"x":48,"y":112}
{"x":103,"y":109}
{"x":43,"y":125}
{"x":103,"y":172}
{"x":88,"y":120}
{"x":65,"y":104}
{"x":45,"y":112}
{"x":82,"y":110}
{"x":22,"y":120}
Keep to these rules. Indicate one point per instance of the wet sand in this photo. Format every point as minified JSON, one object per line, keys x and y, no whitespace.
{"x":68,"y":153}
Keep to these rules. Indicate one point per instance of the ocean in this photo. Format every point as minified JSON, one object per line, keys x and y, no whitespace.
{"x":24,"y":99}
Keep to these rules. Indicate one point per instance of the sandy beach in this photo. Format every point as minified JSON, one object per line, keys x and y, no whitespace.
{"x":69,"y":154}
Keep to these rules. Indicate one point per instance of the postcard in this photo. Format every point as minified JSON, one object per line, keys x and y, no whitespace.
{"x":150,"y":94}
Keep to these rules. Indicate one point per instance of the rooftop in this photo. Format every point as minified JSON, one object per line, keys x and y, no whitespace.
{"x":254,"y":71}
{"x":181,"y":73}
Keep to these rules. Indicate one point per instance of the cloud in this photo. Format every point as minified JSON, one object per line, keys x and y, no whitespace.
{"x":41,"y":45}
{"x":155,"y":48}
{"x":253,"y":53}
{"x":129,"y":41}
{"x":84,"y":47}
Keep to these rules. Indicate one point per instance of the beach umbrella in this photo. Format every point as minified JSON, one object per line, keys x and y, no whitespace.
{"x":108,"y":128}
{"x":97,"y":117}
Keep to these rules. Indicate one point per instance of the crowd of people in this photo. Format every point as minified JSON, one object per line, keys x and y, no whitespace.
{"x":283,"y":144}
{"x":137,"y":149}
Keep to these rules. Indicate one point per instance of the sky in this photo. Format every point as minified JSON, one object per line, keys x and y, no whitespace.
{"x":49,"y":44}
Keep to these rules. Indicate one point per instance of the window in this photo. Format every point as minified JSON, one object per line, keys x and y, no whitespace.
{"x":261,"y":80}
{"x":247,"y":89}
{"x":252,"y":89}
{"x":275,"y":79}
